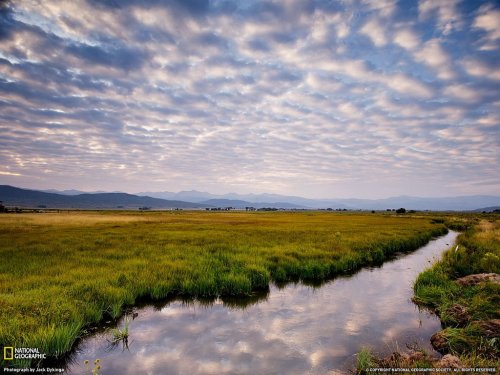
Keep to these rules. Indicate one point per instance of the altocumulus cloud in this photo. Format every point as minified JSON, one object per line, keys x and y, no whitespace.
{"x":315,"y":98}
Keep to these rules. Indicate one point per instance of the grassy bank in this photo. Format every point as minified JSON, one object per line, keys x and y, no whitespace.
{"x":61,"y":272}
{"x":467,"y":311}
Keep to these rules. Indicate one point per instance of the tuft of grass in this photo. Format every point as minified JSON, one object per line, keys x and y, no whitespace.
{"x":121,"y":334}
{"x":55,"y":339}
{"x":364,"y":360}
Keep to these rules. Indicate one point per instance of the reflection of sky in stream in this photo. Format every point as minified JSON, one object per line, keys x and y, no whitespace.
{"x":295,"y":330}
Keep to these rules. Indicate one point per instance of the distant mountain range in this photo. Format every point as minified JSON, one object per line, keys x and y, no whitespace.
{"x":16,"y":197}
{"x":13,"y":196}
{"x":461,"y":203}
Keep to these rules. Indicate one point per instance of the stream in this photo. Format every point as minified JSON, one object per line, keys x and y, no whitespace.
{"x":293,"y":329}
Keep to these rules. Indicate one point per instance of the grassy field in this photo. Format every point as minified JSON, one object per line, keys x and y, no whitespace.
{"x":61,"y":272}
{"x":466,"y":311}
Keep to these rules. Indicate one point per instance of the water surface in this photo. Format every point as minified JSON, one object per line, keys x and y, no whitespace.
{"x":297,"y":329}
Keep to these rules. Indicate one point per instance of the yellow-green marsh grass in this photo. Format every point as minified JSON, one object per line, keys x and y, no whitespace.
{"x":478,"y":251}
{"x":61,"y":272}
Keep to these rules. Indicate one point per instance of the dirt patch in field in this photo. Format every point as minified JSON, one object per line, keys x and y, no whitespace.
{"x":472,"y":280}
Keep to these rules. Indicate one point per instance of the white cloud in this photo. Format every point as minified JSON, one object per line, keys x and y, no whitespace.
{"x":407,"y":39}
{"x":433,"y":55}
{"x":449,"y":18}
{"x":385,"y":8}
{"x":407,"y":85}
{"x":322,"y":25}
{"x":375,"y":31}
{"x":319,"y":30}
{"x":462,"y":92}
{"x":490,"y":120}
{"x":342,"y":30}
{"x":350,"y":110}
{"x":475,"y":67}
{"x":7,"y":173}
{"x":488,"y":19}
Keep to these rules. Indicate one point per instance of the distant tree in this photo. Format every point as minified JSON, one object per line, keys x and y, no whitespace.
{"x":401,"y":210}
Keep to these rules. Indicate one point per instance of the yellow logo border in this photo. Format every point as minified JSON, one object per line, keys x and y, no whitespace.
{"x":11,"y":353}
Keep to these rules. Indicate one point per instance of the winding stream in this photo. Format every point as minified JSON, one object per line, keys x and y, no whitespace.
{"x":296,"y":329}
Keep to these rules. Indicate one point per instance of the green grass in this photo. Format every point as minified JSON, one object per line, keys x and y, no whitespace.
{"x":121,"y":334}
{"x":478,"y":251}
{"x":62,"y":272}
{"x":364,"y":360}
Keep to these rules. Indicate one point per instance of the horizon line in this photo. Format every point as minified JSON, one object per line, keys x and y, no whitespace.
{"x":58,"y":191}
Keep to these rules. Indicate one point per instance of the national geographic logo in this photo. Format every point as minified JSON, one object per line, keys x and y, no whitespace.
{"x":10,"y":353}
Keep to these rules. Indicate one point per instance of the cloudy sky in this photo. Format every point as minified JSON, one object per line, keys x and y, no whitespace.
{"x":344,"y":98}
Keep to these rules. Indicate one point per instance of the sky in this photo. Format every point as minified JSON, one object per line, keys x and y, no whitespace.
{"x":321,"y":99}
